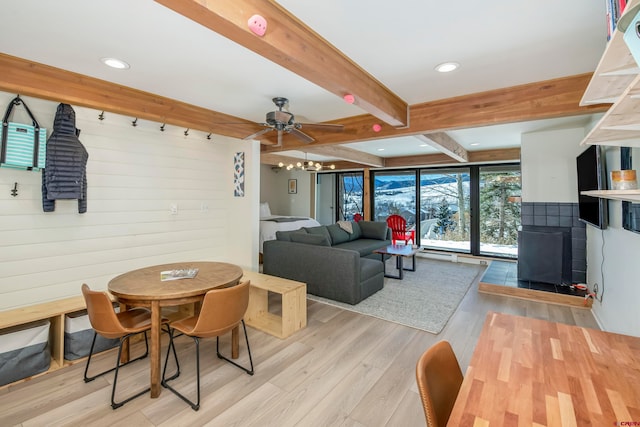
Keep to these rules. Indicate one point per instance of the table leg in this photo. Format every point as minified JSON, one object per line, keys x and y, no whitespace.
{"x":155,"y":348}
{"x":124,"y":356}
{"x":235,"y":342}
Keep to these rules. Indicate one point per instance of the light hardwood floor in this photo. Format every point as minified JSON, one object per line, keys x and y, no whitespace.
{"x":344,"y":369}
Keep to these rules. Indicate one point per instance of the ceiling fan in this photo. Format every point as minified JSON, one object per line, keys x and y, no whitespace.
{"x":283,"y":121}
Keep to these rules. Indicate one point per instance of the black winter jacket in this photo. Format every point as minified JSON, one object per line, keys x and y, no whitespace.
{"x":65,"y":175}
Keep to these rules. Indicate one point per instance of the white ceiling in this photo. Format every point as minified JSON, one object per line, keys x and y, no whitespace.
{"x":498,"y":43}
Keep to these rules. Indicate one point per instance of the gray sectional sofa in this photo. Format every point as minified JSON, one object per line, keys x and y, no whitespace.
{"x":334,"y":263}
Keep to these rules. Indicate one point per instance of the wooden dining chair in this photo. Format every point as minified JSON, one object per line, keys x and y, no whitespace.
{"x":106,"y":322}
{"x":222,"y":310}
{"x":439,"y":378}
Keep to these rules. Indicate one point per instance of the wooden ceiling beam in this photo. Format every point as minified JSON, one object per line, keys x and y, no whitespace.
{"x":440,"y":159}
{"x":293,"y":45}
{"x":447,"y":145}
{"x":348,"y":154}
{"x":533,"y":101}
{"x":42,"y":81}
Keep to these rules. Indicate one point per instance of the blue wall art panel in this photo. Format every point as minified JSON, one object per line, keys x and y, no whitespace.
{"x":238,"y":174}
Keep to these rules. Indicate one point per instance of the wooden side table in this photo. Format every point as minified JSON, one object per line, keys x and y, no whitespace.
{"x":294,"y":304}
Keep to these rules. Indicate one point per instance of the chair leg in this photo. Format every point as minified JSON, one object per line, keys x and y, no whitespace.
{"x":166,"y":360}
{"x":248,"y":371}
{"x":86,"y":369}
{"x":114,"y":404}
{"x":195,"y":406}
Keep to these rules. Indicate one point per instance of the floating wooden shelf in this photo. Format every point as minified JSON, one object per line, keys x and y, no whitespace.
{"x":616,"y":80}
{"x":625,"y":195}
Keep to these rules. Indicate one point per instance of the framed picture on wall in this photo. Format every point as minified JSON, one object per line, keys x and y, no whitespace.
{"x":293,"y":186}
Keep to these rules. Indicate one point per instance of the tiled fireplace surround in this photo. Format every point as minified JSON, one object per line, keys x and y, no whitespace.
{"x":549,"y":214}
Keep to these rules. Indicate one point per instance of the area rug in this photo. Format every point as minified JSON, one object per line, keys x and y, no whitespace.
{"x":424,"y":299}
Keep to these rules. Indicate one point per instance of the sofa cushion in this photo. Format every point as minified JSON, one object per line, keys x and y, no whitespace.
{"x":357,"y":233}
{"x":373,"y":229}
{"x":338,"y":235}
{"x":319,"y":230}
{"x":364,"y":247}
{"x":285,"y":235}
{"x":310,"y":239}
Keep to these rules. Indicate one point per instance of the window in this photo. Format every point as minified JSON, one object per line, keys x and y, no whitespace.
{"x":394,"y":192}
{"x":444,"y":209}
{"x":350,"y":195}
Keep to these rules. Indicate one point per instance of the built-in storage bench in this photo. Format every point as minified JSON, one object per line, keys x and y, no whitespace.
{"x":54,"y":312}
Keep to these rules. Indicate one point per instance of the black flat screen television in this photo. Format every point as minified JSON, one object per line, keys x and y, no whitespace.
{"x":592,"y":175}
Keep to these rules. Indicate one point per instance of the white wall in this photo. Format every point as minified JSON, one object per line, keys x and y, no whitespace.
{"x":134,"y":174}
{"x":549,"y":175}
{"x":548,"y":162}
{"x":274,"y":188}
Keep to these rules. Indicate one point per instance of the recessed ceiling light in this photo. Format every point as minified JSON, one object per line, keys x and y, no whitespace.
{"x":115,"y":63}
{"x":423,"y":145}
{"x":380,"y":149}
{"x":447,"y":67}
{"x":473,"y":144}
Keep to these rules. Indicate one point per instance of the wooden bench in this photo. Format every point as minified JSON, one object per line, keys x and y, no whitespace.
{"x":54,"y":312}
{"x":294,"y":304}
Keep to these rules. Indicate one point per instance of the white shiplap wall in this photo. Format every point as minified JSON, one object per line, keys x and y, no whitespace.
{"x":134,"y":176}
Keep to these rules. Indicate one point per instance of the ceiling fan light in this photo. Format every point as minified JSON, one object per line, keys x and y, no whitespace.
{"x":299,"y":164}
{"x":332,"y":167}
{"x":280,"y":164}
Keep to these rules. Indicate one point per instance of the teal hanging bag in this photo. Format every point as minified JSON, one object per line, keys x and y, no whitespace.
{"x":23,"y":146}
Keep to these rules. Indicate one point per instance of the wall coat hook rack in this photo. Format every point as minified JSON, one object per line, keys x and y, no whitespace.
{"x":14,"y":191}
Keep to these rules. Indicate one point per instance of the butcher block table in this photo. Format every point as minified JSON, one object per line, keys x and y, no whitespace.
{"x":143,"y":287}
{"x":530,"y":372}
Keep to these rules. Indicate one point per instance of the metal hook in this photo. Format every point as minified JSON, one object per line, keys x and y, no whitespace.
{"x":162,"y":127}
{"x":101,"y":116}
{"x":135,"y":122}
{"x":186,"y":132}
{"x":14,"y":191}
{"x":209,"y":136}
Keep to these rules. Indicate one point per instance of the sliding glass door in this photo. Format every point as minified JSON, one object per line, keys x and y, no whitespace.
{"x":444,"y":209}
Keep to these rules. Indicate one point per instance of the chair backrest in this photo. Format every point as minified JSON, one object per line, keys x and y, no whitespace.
{"x":222,"y":309}
{"x":439,"y":379}
{"x":101,"y":313}
{"x":398,"y":226}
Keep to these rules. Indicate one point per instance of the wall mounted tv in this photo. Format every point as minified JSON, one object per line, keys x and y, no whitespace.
{"x":592,"y":175}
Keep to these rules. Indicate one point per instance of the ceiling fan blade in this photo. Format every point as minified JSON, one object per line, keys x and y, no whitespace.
{"x":301,"y":136}
{"x":323,"y":126}
{"x":253,"y":135}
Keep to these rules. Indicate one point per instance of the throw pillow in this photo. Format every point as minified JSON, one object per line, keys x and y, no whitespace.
{"x":319,"y":230}
{"x":374,"y":229}
{"x":338,"y":235}
{"x":310,"y":239}
{"x":346,"y":226}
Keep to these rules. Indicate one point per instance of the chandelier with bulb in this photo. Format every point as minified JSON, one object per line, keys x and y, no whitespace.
{"x":307,"y":165}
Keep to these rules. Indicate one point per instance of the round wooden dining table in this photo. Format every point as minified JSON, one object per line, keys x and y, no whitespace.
{"x":144,"y":288}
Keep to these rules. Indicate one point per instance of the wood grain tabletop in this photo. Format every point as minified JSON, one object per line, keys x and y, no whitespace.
{"x":530,"y":372}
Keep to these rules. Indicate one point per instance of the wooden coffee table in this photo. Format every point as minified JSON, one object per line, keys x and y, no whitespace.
{"x":399,"y":252}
